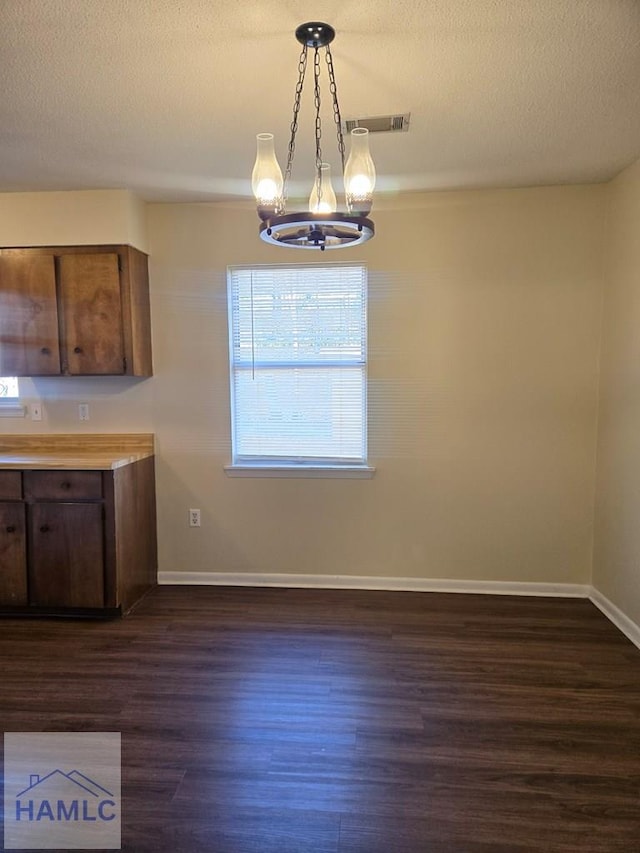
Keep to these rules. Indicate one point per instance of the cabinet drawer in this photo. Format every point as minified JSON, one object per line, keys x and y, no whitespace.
{"x":63,"y":485}
{"x":10,"y":485}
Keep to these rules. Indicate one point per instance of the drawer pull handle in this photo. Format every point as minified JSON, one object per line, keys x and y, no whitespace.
{"x":45,"y":351}
{"x":11,"y":528}
{"x":77,"y":350}
{"x":44,"y":528}
{"x":65,"y":484}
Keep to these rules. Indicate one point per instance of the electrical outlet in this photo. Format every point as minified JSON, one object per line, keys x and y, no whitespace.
{"x":35,"y":411}
{"x":83,"y":411}
{"x":194,"y":518}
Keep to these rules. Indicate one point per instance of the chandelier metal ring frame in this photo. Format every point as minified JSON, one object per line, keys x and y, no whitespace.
{"x":320,"y":227}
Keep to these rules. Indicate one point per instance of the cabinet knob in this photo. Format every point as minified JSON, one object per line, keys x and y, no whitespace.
{"x":45,"y":351}
{"x":77,"y":350}
{"x":65,"y":484}
{"x":44,"y":528}
{"x":11,"y":528}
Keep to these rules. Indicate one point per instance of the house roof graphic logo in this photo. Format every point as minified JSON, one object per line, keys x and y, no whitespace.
{"x":74,"y":782}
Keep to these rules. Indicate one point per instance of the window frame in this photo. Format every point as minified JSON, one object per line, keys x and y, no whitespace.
{"x":292,"y":466}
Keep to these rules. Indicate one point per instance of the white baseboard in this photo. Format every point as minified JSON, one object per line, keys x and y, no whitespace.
{"x":556,"y":590}
{"x":628,"y":627}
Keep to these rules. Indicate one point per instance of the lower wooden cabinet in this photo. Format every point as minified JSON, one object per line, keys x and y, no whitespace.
{"x":13,"y":555}
{"x":77,"y":542}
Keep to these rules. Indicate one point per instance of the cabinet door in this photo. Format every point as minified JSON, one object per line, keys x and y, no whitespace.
{"x":13,"y":555}
{"x":67,"y":555}
{"x":29,"y":343}
{"x":91,"y":310}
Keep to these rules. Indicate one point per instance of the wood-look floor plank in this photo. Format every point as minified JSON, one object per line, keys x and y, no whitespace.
{"x":320,"y":721}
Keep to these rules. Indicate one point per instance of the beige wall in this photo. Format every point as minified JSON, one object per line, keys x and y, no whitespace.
{"x":72,"y":218}
{"x":484,"y":324}
{"x":616,"y":571}
{"x":483,"y":329}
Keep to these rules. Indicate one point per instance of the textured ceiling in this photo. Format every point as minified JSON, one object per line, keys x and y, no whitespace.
{"x":165,"y":97}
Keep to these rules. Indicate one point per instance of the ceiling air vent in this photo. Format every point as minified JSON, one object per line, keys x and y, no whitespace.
{"x":379,"y":124}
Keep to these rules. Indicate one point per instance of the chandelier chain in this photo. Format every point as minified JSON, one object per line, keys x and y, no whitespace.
{"x":336,"y":107}
{"x":318,"y":127}
{"x":302,"y":69}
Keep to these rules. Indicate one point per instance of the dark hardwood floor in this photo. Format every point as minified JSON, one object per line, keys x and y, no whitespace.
{"x":274,"y":721}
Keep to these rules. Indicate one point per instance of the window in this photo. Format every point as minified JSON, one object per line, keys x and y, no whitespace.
{"x":10,"y":406}
{"x":8,"y":387}
{"x":298,"y":357}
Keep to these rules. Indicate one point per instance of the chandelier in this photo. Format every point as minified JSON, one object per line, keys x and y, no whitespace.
{"x":321,"y":226}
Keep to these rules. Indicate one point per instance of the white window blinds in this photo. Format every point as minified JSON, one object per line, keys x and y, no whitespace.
{"x":8,"y":386}
{"x":298,"y":343}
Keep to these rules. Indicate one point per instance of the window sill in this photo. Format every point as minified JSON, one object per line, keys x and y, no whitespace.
{"x":312,"y":472}
{"x":12,"y":410}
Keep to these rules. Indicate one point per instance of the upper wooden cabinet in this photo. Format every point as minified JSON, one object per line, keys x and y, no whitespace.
{"x":77,"y":311}
{"x":29,"y":344}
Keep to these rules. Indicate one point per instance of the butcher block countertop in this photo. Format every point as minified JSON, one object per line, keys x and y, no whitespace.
{"x":74,"y":452}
